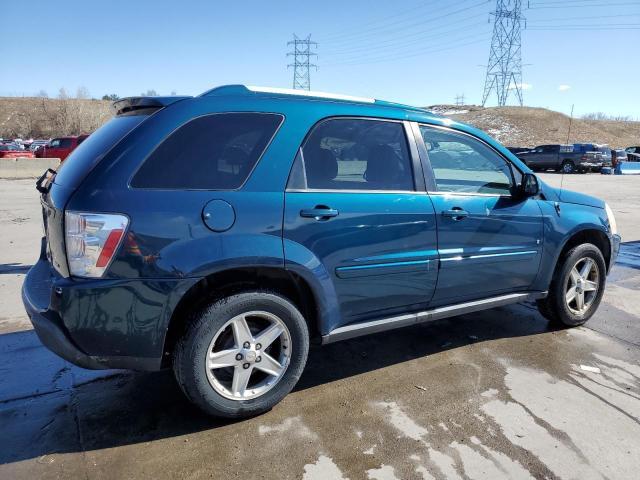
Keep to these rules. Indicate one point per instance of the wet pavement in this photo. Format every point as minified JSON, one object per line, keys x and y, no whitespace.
{"x":495,"y":394}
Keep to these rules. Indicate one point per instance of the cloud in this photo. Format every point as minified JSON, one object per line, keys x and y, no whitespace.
{"x":564,"y":88}
{"x":522,"y":86}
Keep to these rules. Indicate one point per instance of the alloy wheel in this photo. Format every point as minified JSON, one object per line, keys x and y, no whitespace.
{"x":248,"y":355}
{"x":582,"y":286}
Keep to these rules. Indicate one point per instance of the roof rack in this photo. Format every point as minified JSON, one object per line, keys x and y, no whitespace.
{"x":245,"y":89}
{"x":230,"y":90}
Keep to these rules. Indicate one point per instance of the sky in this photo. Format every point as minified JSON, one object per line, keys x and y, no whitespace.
{"x":420,"y":52}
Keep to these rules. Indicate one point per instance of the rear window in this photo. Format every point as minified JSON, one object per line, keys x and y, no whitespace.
{"x":213,"y":152}
{"x":93,"y":149}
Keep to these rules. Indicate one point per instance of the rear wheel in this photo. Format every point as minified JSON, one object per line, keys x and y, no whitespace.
{"x":568,"y":167}
{"x":241,"y":355}
{"x":577,"y":288}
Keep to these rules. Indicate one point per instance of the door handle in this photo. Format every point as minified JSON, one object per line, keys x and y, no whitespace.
{"x":456,"y":214}
{"x":320,"y":212}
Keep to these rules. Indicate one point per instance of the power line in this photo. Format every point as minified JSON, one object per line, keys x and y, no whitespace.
{"x":302,"y":61}
{"x":408,"y":39}
{"x":418,"y":46}
{"x":504,"y":70}
{"x":589,"y":5}
{"x":415,"y":54}
{"x":393,"y":28}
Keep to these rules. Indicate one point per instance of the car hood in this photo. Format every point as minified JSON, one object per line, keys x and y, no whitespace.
{"x":567,"y":196}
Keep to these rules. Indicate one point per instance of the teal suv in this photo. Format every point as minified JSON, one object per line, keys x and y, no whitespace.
{"x":219,"y":235}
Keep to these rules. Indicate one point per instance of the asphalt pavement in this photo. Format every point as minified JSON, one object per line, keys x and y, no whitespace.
{"x":494,"y":394}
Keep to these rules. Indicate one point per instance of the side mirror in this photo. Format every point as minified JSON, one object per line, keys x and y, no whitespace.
{"x":529,"y":186}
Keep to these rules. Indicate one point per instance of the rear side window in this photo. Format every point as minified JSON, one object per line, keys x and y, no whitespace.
{"x":65,"y":143}
{"x":82,"y":159}
{"x":354,"y":154}
{"x":213,"y":152}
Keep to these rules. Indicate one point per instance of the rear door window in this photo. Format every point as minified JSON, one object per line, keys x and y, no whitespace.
{"x":213,"y":152}
{"x":354,"y":154}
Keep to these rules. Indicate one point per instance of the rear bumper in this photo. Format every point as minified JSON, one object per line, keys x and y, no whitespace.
{"x":47,"y":323}
{"x":99,"y":324}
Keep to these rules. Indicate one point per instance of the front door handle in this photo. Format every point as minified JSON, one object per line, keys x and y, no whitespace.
{"x":319,"y":212}
{"x":456,"y":214}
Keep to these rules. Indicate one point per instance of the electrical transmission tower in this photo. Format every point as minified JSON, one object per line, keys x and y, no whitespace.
{"x":460,"y":99}
{"x":302,"y":61}
{"x":504,"y":71}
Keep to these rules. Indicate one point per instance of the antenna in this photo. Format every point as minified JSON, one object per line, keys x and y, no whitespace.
{"x":568,"y":136}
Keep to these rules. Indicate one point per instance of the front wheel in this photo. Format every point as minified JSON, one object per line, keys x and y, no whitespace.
{"x":577,"y":288}
{"x":242,"y":354}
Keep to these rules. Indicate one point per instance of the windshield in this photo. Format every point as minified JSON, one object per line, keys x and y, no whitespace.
{"x":82,"y":160}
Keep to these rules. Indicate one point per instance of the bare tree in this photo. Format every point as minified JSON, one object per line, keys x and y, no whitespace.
{"x":42,"y":94}
{"x":83,"y":93}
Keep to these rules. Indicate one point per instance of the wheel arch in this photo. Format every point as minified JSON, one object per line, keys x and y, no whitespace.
{"x":236,"y":280}
{"x":591,"y":235}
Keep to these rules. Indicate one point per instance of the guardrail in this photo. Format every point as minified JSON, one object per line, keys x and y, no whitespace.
{"x":14,"y":168}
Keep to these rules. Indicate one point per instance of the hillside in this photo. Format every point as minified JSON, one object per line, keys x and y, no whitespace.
{"x":528,"y":126}
{"x":27,"y":117}
{"x":513,"y":126}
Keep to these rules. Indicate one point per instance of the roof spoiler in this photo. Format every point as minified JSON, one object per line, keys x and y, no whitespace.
{"x":130,"y":104}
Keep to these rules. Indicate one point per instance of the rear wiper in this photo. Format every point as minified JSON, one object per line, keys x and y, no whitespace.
{"x":47,"y":177}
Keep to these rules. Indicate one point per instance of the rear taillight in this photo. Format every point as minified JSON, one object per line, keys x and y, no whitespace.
{"x":92,"y":239}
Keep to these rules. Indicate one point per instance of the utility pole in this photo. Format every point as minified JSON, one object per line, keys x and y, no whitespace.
{"x":504,"y":71}
{"x":302,"y":61}
{"x":460,"y":99}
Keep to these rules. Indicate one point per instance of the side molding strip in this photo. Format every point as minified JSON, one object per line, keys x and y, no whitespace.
{"x":373,"y":326}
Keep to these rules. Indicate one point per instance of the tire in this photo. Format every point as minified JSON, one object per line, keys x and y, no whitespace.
{"x":568,"y":167}
{"x":216,"y":329}
{"x":555,"y":306}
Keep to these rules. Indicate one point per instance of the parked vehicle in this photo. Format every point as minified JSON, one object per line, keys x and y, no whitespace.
{"x":220,"y":235}
{"x":516,"y":150}
{"x":36,"y":144}
{"x":618,"y":156}
{"x":60,"y":147}
{"x":11,"y":150}
{"x":563,"y":158}
{"x":633,"y":154}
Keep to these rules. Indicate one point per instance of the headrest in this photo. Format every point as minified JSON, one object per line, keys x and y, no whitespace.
{"x":383,"y":165}
{"x":321,"y":166}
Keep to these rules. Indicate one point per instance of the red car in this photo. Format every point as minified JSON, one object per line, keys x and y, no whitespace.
{"x":60,"y":147}
{"x":9,"y":150}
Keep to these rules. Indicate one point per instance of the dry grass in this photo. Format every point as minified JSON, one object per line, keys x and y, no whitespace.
{"x":513,"y":126}
{"x":27,"y":117}
{"x":528,"y":126}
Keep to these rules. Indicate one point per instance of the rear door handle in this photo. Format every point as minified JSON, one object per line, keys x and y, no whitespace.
{"x":456,"y":213}
{"x":320,"y":212}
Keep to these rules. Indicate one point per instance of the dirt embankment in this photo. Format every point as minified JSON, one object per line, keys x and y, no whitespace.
{"x":528,"y":126}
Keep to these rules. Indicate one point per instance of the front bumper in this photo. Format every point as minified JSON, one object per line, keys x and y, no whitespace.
{"x":615,"y":249}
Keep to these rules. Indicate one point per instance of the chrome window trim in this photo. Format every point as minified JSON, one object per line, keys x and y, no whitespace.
{"x":328,"y":190}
